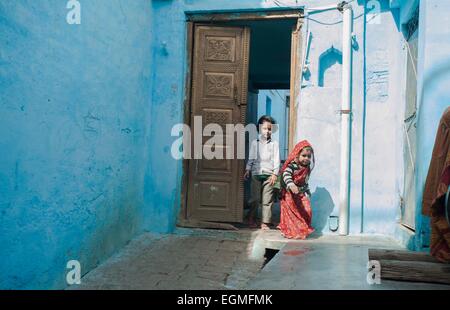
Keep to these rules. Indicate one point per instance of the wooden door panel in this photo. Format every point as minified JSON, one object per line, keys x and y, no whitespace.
{"x":219,"y":82}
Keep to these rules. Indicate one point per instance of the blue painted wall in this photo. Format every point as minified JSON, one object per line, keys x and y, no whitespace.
{"x":75,"y":120}
{"x":163,"y":174}
{"x":382,"y":120}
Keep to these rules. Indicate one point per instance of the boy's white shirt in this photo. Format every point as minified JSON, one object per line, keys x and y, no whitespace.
{"x":267,"y":160}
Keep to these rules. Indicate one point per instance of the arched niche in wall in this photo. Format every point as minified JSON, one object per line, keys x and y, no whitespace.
{"x":374,"y":10}
{"x":330,"y":72}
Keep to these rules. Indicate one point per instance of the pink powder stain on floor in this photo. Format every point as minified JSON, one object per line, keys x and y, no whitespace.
{"x":294,"y":252}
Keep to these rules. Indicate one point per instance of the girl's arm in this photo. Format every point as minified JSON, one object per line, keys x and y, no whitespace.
{"x":287,"y":179}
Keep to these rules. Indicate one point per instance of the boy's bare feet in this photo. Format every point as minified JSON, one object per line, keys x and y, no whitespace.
{"x":264,"y":226}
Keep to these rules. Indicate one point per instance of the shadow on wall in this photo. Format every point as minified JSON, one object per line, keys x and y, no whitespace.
{"x":322,"y":205}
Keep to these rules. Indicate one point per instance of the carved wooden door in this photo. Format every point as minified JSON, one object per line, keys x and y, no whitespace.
{"x":219,"y":95}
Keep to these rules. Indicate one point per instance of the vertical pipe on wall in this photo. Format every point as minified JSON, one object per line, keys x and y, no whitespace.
{"x":344,"y":205}
{"x":364,"y":117}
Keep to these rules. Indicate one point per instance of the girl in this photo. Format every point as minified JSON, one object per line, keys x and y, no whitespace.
{"x":296,"y":214}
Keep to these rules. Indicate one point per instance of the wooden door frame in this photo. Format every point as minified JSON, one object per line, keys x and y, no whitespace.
{"x":296,"y":76}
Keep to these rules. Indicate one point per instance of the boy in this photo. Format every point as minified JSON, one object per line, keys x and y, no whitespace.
{"x":263,"y":165}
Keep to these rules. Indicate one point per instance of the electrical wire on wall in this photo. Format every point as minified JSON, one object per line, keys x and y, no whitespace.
{"x":307,"y":18}
{"x":314,"y":10}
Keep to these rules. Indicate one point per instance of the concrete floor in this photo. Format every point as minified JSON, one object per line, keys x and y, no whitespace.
{"x":212,"y":259}
{"x":328,"y":263}
{"x":190,"y":259}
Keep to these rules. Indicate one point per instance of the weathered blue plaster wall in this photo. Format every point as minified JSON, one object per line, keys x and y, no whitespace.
{"x":383,"y":165}
{"x":164,"y":174}
{"x":74,"y":121}
{"x":433,"y":94}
